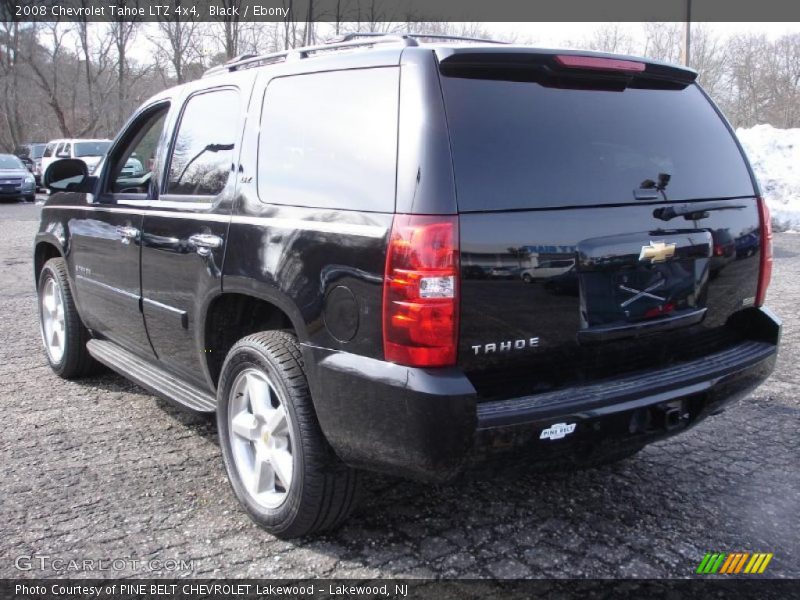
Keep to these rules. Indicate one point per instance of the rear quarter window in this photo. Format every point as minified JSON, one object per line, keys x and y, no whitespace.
{"x":523,"y":145}
{"x":329,"y":140}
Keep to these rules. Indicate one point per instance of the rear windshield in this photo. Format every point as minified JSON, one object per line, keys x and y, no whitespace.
{"x":91,"y":148}
{"x":522,"y":145}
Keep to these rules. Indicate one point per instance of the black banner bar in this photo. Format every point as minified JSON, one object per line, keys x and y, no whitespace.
{"x":313,"y":589}
{"x":377,"y":11}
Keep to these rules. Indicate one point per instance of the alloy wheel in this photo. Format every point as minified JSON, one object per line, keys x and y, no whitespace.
{"x":261,"y":438}
{"x":53,"y":321}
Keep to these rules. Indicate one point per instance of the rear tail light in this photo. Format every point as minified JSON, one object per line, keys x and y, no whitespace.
{"x":420,"y":291}
{"x":718,"y":250}
{"x":765,"y":269}
{"x":597,"y":63}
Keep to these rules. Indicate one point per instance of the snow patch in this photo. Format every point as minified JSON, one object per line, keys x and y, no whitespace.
{"x":775,"y":156}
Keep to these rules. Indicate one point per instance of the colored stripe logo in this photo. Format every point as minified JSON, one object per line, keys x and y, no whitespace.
{"x":734,"y":563}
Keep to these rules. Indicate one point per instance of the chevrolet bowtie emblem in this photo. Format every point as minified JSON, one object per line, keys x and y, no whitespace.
{"x":657,"y":252}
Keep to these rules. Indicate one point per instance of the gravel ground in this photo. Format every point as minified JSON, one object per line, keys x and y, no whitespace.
{"x":100,"y":469}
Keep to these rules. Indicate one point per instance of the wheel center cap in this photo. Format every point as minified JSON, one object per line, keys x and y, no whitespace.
{"x":265,"y":437}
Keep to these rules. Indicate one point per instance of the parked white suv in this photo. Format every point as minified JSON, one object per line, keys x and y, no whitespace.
{"x":89,"y":151}
{"x":546,"y":269}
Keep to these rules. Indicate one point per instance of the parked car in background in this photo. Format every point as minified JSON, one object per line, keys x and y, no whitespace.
{"x":16,"y":182}
{"x":90,"y":151}
{"x":48,"y":156}
{"x":546,"y":269}
{"x":30,"y":154}
{"x":501,"y":273}
{"x":133,"y":168}
{"x":724,"y":250}
{"x":747,"y":245}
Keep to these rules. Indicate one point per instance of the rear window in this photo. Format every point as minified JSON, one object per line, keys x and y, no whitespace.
{"x":522,"y":145}
{"x":91,"y":148}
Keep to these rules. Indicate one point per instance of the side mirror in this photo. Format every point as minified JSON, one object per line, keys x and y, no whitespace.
{"x":65,"y":175}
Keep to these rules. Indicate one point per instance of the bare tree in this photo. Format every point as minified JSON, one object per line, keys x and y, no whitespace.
{"x":13,"y":131}
{"x":465,"y":29}
{"x":82,"y":78}
{"x":95,"y":53}
{"x":784,"y":71}
{"x":749,"y":96}
{"x":709,"y":60}
{"x":663,"y":41}
{"x":177,"y":44}
{"x":123,"y":34}
{"x":229,"y":27}
{"x":611,"y":37}
{"x":49,"y":68}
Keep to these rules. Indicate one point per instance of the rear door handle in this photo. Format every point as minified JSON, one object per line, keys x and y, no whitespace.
{"x":204,"y":243}
{"x":127,"y":233}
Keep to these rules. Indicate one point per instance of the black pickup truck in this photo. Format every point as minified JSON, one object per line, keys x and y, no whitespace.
{"x":388,"y":252}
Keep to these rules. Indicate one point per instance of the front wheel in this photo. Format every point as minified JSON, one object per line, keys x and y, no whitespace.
{"x":279,"y":464}
{"x":63,"y":333}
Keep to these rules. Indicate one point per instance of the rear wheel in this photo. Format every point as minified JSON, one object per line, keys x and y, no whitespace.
{"x":279,"y":464}
{"x":63,"y":333}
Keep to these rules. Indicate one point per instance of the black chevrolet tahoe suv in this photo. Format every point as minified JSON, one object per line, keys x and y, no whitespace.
{"x":327,"y":248}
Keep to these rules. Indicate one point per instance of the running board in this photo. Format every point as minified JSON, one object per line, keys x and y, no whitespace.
{"x":150,"y":376}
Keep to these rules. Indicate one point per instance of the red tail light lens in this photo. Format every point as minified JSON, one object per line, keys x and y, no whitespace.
{"x":765,"y":270}
{"x":597,"y":63}
{"x":420,"y":291}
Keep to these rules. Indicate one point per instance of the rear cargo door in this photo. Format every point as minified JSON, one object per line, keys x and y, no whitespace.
{"x":598,"y":213}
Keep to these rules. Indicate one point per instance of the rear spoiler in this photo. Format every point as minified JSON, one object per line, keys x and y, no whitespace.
{"x":562,"y":68}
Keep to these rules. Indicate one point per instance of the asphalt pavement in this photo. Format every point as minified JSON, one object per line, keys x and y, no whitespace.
{"x":100,"y":469}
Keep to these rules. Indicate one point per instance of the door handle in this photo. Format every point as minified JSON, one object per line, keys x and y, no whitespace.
{"x":204,"y":243}
{"x":127,"y":233}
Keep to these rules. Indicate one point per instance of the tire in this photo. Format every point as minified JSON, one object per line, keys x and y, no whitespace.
{"x":262,"y":373}
{"x":61,"y":324}
{"x":527,"y":278}
{"x":30,"y":198}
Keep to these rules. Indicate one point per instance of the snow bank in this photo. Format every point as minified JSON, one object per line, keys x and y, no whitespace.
{"x":775,"y":156}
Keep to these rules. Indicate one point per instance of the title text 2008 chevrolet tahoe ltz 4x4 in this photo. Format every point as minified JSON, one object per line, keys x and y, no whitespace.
{"x":383,"y":253}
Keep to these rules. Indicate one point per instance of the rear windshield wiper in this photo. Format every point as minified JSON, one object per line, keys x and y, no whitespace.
{"x":691,"y":213}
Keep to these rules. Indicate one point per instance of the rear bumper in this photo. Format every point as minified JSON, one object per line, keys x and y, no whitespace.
{"x":425,"y":423}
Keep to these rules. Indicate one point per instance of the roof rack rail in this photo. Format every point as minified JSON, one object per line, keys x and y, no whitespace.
{"x":417,"y":36}
{"x":351,"y":40}
{"x":247,"y":61}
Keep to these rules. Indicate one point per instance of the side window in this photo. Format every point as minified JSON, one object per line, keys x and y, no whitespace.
{"x":202,"y":154}
{"x":133,"y":163}
{"x":66,"y":151}
{"x":48,"y":151}
{"x":329,"y":140}
{"x":60,"y":150}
